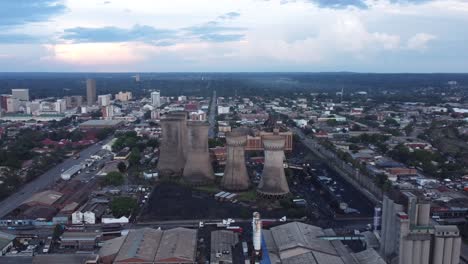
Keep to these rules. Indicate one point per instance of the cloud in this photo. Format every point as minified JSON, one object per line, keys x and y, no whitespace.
{"x":6,"y":38}
{"x":115,"y":34}
{"x":222,"y":37}
{"x":341,"y":3}
{"x":362,"y":4}
{"x":230,"y":15}
{"x":25,"y":11}
{"x":419,"y":41}
{"x":212,"y":31}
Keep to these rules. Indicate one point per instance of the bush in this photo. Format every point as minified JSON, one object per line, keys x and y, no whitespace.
{"x":123,"y":206}
{"x":114,"y":178}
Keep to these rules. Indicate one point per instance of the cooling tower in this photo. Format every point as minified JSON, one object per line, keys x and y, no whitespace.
{"x":182,"y":116}
{"x":235,"y":174}
{"x":171,"y":155}
{"x":273,"y":182}
{"x":198,"y":170}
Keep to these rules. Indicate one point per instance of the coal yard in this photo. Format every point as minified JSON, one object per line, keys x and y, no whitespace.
{"x":170,"y":201}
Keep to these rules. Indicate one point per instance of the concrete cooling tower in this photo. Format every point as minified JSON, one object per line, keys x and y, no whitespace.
{"x":273,"y":182}
{"x":235,"y":174}
{"x":182,"y":116}
{"x":171,"y":154}
{"x":198,"y":170}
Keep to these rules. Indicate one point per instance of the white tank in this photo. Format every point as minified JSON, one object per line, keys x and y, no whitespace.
{"x":456,"y":249}
{"x":257,"y":232}
{"x":417,"y":246}
{"x":426,"y":251}
{"x":438,"y":250}
{"x":448,"y":246}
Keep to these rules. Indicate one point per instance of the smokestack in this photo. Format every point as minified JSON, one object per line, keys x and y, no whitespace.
{"x":235,"y":174}
{"x":171,"y":155}
{"x":198,"y":170}
{"x":257,"y":233}
{"x":273,"y":182}
{"x":377,"y":218}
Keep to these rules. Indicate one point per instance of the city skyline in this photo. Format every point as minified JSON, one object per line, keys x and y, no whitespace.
{"x":239,"y":36}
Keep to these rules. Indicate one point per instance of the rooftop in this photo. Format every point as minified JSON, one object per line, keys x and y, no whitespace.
{"x":46,"y":198}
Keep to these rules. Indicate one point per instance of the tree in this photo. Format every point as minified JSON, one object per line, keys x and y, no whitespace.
{"x":123,"y":206}
{"x":135,"y":156}
{"x":122,"y":167}
{"x":114,"y":178}
{"x":390,"y":122}
{"x":147,"y":115}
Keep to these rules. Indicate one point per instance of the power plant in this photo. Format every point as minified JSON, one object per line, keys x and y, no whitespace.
{"x":172,"y":157}
{"x":235,"y":177}
{"x":198,"y":169}
{"x":273,"y":182}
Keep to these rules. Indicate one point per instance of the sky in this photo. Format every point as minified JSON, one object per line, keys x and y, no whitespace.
{"x":234,"y":35}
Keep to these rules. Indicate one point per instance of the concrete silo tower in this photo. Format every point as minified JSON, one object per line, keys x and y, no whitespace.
{"x":273,"y":182}
{"x":235,"y":174}
{"x":198,"y":169}
{"x":171,"y":154}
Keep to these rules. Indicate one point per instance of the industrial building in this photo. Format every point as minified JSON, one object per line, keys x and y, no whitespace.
{"x":100,"y":124}
{"x":273,"y":182}
{"x":79,"y":240}
{"x":198,"y":169}
{"x":298,"y":243}
{"x":222,"y":246}
{"x":66,"y":175}
{"x":147,"y":245}
{"x":408,"y":235}
{"x":235,"y":176}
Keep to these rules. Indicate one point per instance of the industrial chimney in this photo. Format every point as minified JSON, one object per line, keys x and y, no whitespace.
{"x":273,"y":182}
{"x":257,"y":233}
{"x":198,"y":170}
{"x":171,"y":155}
{"x":235,"y":174}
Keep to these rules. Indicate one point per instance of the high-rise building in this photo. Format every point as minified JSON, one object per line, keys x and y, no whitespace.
{"x":12,"y":104}
{"x":409,"y":237}
{"x":60,"y":105}
{"x":3,"y":101}
{"x":73,"y":101}
{"x":107,"y":111}
{"x":156,"y":98}
{"x":20,"y":94}
{"x":104,"y":100}
{"x":90,"y":92}
{"x":123,"y":96}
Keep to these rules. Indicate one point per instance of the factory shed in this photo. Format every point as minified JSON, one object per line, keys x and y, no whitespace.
{"x":298,"y":243}
{"x":140,"y":246}
{"x":222,"y":245}
{"x":178,"y":245}
{"x":110,"y":249}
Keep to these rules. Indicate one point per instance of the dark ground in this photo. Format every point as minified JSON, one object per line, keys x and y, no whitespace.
{"x":170,"y":201}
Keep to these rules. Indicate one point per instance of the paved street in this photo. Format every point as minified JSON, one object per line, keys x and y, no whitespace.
{"x":44,"y":180}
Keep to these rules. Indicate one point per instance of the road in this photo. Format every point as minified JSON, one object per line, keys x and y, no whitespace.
{"x":212,"y":116}
{"x":44,"y":180}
